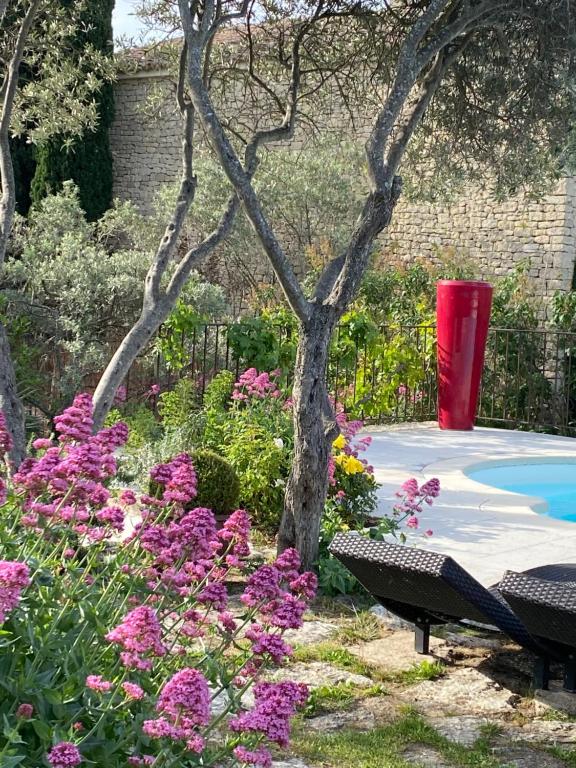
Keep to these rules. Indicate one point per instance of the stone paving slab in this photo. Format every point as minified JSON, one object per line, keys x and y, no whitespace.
{"x":425,"y":756}
{"x":311,"y":632}
{"x":464,"y":691}
{"x":395,"y":653}
{"x":317,"y":674}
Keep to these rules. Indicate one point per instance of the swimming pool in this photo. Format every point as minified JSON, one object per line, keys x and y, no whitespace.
{"x":555,"y":482}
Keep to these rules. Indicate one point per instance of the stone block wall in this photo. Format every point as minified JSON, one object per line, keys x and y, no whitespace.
{"x":146,"y":145}
{"x":494,"y":236}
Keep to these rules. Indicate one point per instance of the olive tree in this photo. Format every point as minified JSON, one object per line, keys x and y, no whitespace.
{"x":454,"y":89}
{"x":43,"y":92}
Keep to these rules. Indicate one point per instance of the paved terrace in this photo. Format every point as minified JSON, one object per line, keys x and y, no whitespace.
{"x":484,"y":529}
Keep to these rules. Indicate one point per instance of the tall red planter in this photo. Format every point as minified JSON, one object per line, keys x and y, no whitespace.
{"x":463,"y":316}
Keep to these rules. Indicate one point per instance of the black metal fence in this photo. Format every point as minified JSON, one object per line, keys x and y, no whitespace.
{"x":529,"y":379}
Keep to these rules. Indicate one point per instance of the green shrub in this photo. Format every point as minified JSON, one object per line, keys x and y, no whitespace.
{"x":218,"y":483}
{"x":176,"y":406}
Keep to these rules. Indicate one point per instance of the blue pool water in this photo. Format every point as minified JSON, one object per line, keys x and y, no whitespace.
{"x":554,"y":482}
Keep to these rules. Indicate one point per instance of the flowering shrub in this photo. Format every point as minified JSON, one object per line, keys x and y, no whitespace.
{"x":253,"y":429}
{"x":118,"y":642}
{"x":404,"y":520}
{"x":352,"y":485}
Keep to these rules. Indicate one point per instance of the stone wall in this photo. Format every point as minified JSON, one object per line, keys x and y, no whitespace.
{"x":494,"y":236}
{"x":145,"y":141}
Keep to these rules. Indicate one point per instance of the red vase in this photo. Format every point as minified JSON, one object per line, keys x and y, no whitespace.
{"x":463,"y":316}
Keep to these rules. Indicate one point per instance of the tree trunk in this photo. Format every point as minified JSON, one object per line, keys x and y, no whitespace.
{"x":117,"y":369}
{"x":10,"y":402}
{"x":314,"y":430}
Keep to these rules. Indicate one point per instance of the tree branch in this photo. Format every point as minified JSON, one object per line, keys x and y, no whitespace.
{"x":417,"y":109}
{"x":8,"y":199}
{"x":236,"y":173}
{"x":407,"y":72}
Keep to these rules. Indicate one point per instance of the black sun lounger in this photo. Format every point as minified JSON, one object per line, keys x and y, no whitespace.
{"x":427,"y":588}
{"x":544,"y":599}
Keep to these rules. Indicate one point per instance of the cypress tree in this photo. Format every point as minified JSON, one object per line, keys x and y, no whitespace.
{"x":88,"y":162}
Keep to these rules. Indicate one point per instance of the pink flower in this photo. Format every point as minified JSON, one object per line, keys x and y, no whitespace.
{"x":3,"y":491}
{"x":5,"y":436}
{"x":111,"y":516}
{"x":14,"y":577}
{"x":120,"y":396}
{"x":186,"y":698}
{"x":154,"y":390}
{"x":268,"y":644}
{"x":306,"y":585}
{"x":25,"y":711}
{"x":139,"y":634}
{"x":128,"y":497}
{"x":64,"y":755}
{"x":412,"y":522}
{"x":97,"y":683}
{"x":259,"y":757}
{"x":429,"y":532}
{"x":75,"y":423}
{"x":275,"y":704}
{"x":42,"y":444}
{"x":263,"y":584}
{"x":133,"y":691}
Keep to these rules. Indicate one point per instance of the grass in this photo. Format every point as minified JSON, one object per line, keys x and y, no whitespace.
{"x":332,"y":653}
{"x":425,"y":670}
{"x":363,"y":628}
{"x":332,"y":698}
{"x":383,"y":747}
{"x":566,"y":754}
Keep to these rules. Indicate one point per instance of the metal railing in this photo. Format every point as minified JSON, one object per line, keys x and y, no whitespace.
{"x":529,"y":378}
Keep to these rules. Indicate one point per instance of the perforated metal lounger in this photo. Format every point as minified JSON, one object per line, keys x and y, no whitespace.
{"x":427,"y":588}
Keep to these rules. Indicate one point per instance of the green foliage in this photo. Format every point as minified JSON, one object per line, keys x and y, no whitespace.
{"x":218,"y":392}
{"x":370,"y":364}
{"x":87,"y":161}
{"x":424,"y":670}
{"x":218,"y":482}
{"x":78,"y":286}
{"x":256,"y":437}
{"x":200,"y":303}
{"x":267,"y":341}
{"x":175,"y":406}
{"x":142,"y":424}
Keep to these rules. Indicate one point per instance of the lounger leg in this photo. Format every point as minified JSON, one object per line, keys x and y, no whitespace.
{"x":570,"y":676}
{"x":542,"y":673}
{"x":422,"y":638}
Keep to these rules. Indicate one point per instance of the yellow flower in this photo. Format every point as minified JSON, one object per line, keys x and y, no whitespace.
{"x":354,"y":466}
{"x":340,"y":442}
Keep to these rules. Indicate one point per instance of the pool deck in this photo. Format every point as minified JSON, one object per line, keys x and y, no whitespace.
{"x":486,"y":530}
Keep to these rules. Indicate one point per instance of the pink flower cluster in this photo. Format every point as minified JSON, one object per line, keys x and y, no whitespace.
{"x":64,"y":755}
{"x":177,"y":478}
{"x":183,"y":704}
{"x":140,"y":636}
{"x":14,"y":577}
{"x":257,"y":385}
{"x":280,"y":595}
{"x":412,"y":498}
{"x":65,"y":482}
{"x":5,"y":436}
{"x":275,"y":704}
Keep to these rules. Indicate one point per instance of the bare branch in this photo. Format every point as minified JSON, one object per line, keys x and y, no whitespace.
{"x":238,"y":175}
{"x":418,"y":107}
{"x":169,"y":243}
{"x":407,"y":72}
